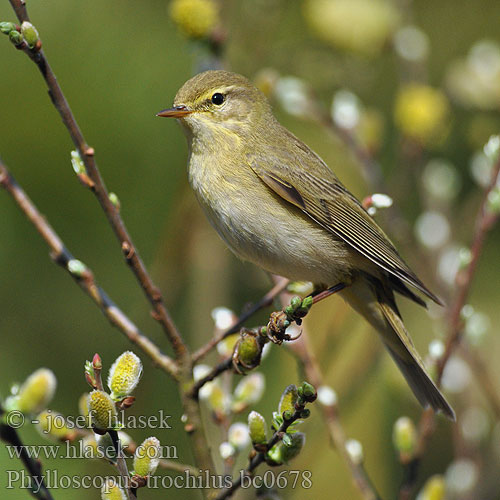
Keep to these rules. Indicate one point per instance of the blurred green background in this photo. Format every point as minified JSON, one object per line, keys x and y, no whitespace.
{"x":119,"y":63}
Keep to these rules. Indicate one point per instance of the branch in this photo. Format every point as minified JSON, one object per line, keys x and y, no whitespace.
{"x":302,"y":349}
{"x":84,"y":277}
{"x":34,"y":467}
{"x":160,"y":312}
{"x":484,"y":222}
{"x":261,"y":456}
{"x":265,"y":301}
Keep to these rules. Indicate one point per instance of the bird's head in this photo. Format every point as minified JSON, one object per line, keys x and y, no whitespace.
{"x":219,"y":101}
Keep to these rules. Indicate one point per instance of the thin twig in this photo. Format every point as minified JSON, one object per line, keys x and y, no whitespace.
{"x":223,"y":366}
{"x":260,"y":457}
{"x":484,"y":222}
{"x":62,"y":256}
{"x":484,"y":379}
{"x":265,"y":301}
{"x":99,"y":189}
{"x":34,"y":467}
{"x":302,"y":349}
{"x":121,"y":465}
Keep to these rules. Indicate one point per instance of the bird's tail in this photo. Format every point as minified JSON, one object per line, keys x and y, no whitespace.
{"x":375,"y":301}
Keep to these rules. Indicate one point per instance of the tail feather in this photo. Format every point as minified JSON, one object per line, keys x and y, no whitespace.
{"x":375,"y":301}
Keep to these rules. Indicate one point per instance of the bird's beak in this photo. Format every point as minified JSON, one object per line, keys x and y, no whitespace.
{"x":175,"y":112}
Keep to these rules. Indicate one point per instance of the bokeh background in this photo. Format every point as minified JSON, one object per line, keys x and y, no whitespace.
{"x":415,"y":83}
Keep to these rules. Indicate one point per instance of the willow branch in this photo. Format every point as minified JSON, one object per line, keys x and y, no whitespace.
{"x":261,"y":456}
{"x":302,"y":349}
{"x":85,"y":279}
{"x":160,"y":312}
{"x":34,"y":467}
{"x":264,"y":302}
{"x":484,"y":222}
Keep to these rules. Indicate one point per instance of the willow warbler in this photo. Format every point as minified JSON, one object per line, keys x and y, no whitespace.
{"x":276,"y":203}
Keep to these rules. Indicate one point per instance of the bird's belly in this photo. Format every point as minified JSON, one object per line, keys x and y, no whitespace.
{"x":276,"y":236}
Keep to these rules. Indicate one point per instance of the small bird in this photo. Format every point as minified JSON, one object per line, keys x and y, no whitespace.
{"x":277,"y":204}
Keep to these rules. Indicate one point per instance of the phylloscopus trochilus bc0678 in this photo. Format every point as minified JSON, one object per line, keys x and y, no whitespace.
{"x":275,"y":203}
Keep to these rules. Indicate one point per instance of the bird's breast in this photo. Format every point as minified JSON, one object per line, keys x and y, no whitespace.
{"x":259,"y":226}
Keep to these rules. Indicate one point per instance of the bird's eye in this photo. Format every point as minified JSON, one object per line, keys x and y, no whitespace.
{"x":218,"y":98}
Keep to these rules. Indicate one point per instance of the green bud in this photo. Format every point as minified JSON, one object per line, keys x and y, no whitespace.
{"x":284,"y":452}
{"x":124,"y":375}
{"x":289,"y":310}
{"x":257,"y":428}
{"x":111,"y":491}
{"x":76,"y":267}
{"x":147,"y":457}
{"x":296,"y":302}
{"x":309,"y":392}
{"x":305,"y":413}
{"x":288,"y":415}
{"x":307,"y":302}
{"x":102,"y":411}
{"x":404,"y":436}
{"x":288,"y":399}
{"x":113,"y":198}
{"x":434,"y":489}
{"x":6,"y":27}
{"x":30,"y":34}
{"x":248,"y":350}
{"x":77,"y":163}
{"x":15,"y":37}
{"x":493,"y":202}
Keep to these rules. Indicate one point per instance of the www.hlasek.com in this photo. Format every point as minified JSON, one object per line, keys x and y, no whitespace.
{"x":53,"y":479}
{"x":81,"y":450}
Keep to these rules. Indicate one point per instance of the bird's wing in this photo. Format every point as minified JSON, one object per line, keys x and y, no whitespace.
{"x":306,"y":182}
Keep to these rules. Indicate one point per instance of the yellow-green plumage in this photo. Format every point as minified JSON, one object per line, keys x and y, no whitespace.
{"x":277,"y":204}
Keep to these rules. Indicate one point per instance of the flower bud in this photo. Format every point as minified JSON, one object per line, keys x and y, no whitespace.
{"x":493,"y":201}
{"x":355,"y":450}
{"x":102,"y":411}
{"x":249,"y":391}
{"x":106,"y":448}
{"x":147,"y":457}
{"x":6,"y":27}
{"x":327,"y":396}
{"x":248,"y":351}
{"x":15,"y":37}
{"x":52,"y":424}
{"x":76,"y":267}
{"x":88,"y":446}
{"x":404,"y":437}
{"x":35,"y":393}
{"x":111,"y":491}
{"x":492,"y":148}
{"x":226,"y":450}
{"x":238,"y":435}
{"x":257,"y":428}
{"x":124,"y":375}
{"x":422,"y":113}
{"x":309,"y":392}
{"x":77,"y":163}
{"x":195,"y":18}
{"x":113,"y":198}
{"x":287,"y":449}
{"x":30,"y":34}
{"x":434,"y":489}
{"x":288,"y":399}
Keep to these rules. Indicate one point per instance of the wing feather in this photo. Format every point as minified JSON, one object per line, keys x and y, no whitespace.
{"x":320,"y":195}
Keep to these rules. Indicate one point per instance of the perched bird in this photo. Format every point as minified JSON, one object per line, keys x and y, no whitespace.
{"x":276,"y":204}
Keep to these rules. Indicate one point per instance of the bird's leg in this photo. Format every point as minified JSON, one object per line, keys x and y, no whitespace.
{"x":320,"y":295}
